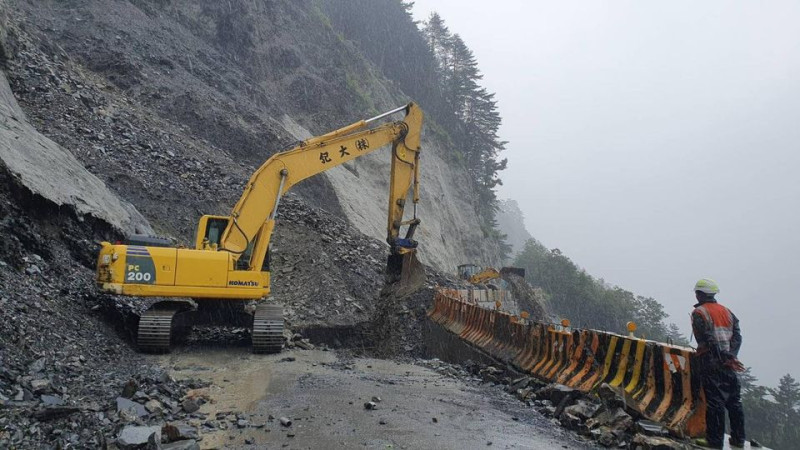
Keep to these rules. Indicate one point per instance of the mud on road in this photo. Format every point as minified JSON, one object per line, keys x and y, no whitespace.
{"x":324,"y":394}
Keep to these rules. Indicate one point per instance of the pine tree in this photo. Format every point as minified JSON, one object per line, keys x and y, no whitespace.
{"x":439,"y":39}
{"x":477,"y":119}
{"x":436,"y":68}
{"x":761,"y":415}
{"x":461,"y":77}
{"x":675,"y":335}
{"x":772,"y":422}
{"x":787,"y":395}
{"x":786,"y":418}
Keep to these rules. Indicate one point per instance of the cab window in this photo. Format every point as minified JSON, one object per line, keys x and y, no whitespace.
{"x":214,"y":230}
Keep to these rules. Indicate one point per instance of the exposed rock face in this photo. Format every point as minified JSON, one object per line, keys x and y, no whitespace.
{"x":3,"y":30}
{"x":133,"y":103}
{"x":48,"y":170}
{"x":449,"y":234}
{"x":232,"y":85}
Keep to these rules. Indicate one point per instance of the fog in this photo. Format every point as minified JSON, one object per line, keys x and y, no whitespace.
{"x":656,"y":143}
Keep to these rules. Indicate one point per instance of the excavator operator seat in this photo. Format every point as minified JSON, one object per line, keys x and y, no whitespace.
{"x":209,"y":231}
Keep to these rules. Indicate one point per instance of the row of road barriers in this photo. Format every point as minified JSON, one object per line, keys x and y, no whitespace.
{"x":479,"y":296}
{"x":654,"y":378}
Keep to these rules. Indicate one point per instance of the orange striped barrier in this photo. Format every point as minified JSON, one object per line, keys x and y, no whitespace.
{"x":655,"y":379}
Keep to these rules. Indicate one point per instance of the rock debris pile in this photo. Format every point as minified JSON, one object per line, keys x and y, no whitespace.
{"x":66,"y":377}
{"x":602,"y":418}
{"x":528,"y":298}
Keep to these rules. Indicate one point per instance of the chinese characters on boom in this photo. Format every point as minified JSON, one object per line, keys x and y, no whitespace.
{"x":361,"y":145}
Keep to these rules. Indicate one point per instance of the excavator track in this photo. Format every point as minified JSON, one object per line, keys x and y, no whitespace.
{"x":155,"y":330}
{"x":268,"y":329}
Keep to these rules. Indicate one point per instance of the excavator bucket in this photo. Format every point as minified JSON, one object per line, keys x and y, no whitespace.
{"x":405,"y":273}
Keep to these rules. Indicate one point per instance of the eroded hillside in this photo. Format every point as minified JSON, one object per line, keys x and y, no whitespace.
{"x":160,"y":111}
{"x":173,"y":104}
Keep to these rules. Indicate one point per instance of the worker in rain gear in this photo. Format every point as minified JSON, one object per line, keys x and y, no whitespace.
{"x":718,"y":336}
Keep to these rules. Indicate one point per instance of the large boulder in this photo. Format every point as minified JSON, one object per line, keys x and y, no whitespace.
{"x":556,"y":393}
{"x":137,"y":436}
{"x":610,"y":396}
{"x":583,"y":409}
{"x":619,"y":421}
{"x":130,"y":407}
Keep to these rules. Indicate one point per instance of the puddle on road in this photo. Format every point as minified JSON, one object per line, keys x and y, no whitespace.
{"x":239,"y":381}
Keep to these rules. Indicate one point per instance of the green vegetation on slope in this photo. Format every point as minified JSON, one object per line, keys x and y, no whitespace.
{"x":437,"y":69}
{"x":589,"y":302}
{"x":772,"y":415}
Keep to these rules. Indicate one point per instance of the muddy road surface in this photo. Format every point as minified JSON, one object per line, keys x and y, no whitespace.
{"x":324,"y":393}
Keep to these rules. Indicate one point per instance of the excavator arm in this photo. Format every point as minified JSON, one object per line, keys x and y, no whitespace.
{"x":253,"y":217}
{"x":484,"y":275}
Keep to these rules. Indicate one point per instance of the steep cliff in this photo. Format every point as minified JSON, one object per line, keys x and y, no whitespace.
{"x":220,"y":86}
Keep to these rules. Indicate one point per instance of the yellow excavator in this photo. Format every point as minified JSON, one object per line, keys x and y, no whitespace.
{"x":229,"y":264}
{"x":480,"y":275}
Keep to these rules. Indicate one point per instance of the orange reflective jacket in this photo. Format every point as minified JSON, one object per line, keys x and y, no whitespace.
{"x":715,"y":326}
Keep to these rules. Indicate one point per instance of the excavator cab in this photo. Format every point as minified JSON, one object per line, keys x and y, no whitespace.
{"x":465,"y":271}
{"x":209,"y":236}
{"x":209,"y":231}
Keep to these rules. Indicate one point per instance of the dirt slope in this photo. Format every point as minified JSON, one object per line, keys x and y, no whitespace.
{"x":164,"y":90}
{"x":53,"y":173}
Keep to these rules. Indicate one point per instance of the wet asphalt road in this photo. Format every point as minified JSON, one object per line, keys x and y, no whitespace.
{"x":324,"y":397}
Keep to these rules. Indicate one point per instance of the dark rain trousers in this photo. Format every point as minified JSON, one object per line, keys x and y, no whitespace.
{"x":723,"y":391}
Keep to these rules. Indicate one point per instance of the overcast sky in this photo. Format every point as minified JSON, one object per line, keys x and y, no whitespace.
{"x":656,"y":143}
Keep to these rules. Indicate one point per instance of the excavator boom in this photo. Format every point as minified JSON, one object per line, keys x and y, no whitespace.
{"x":253,"y":217}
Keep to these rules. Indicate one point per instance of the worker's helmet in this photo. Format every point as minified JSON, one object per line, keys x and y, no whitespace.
{"x":707,"y":286}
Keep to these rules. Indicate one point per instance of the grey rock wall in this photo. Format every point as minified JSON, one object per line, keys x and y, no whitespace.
{"x":449,"y":234}
{"x":48,"y":170}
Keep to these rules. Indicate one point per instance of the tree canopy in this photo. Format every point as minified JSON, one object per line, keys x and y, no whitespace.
{"x":589,"y":302}
{"x":772,"y":415}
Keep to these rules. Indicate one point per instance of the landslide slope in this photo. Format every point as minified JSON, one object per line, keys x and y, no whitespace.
{"x":178,"y":101}
{"x":62,"y":360}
